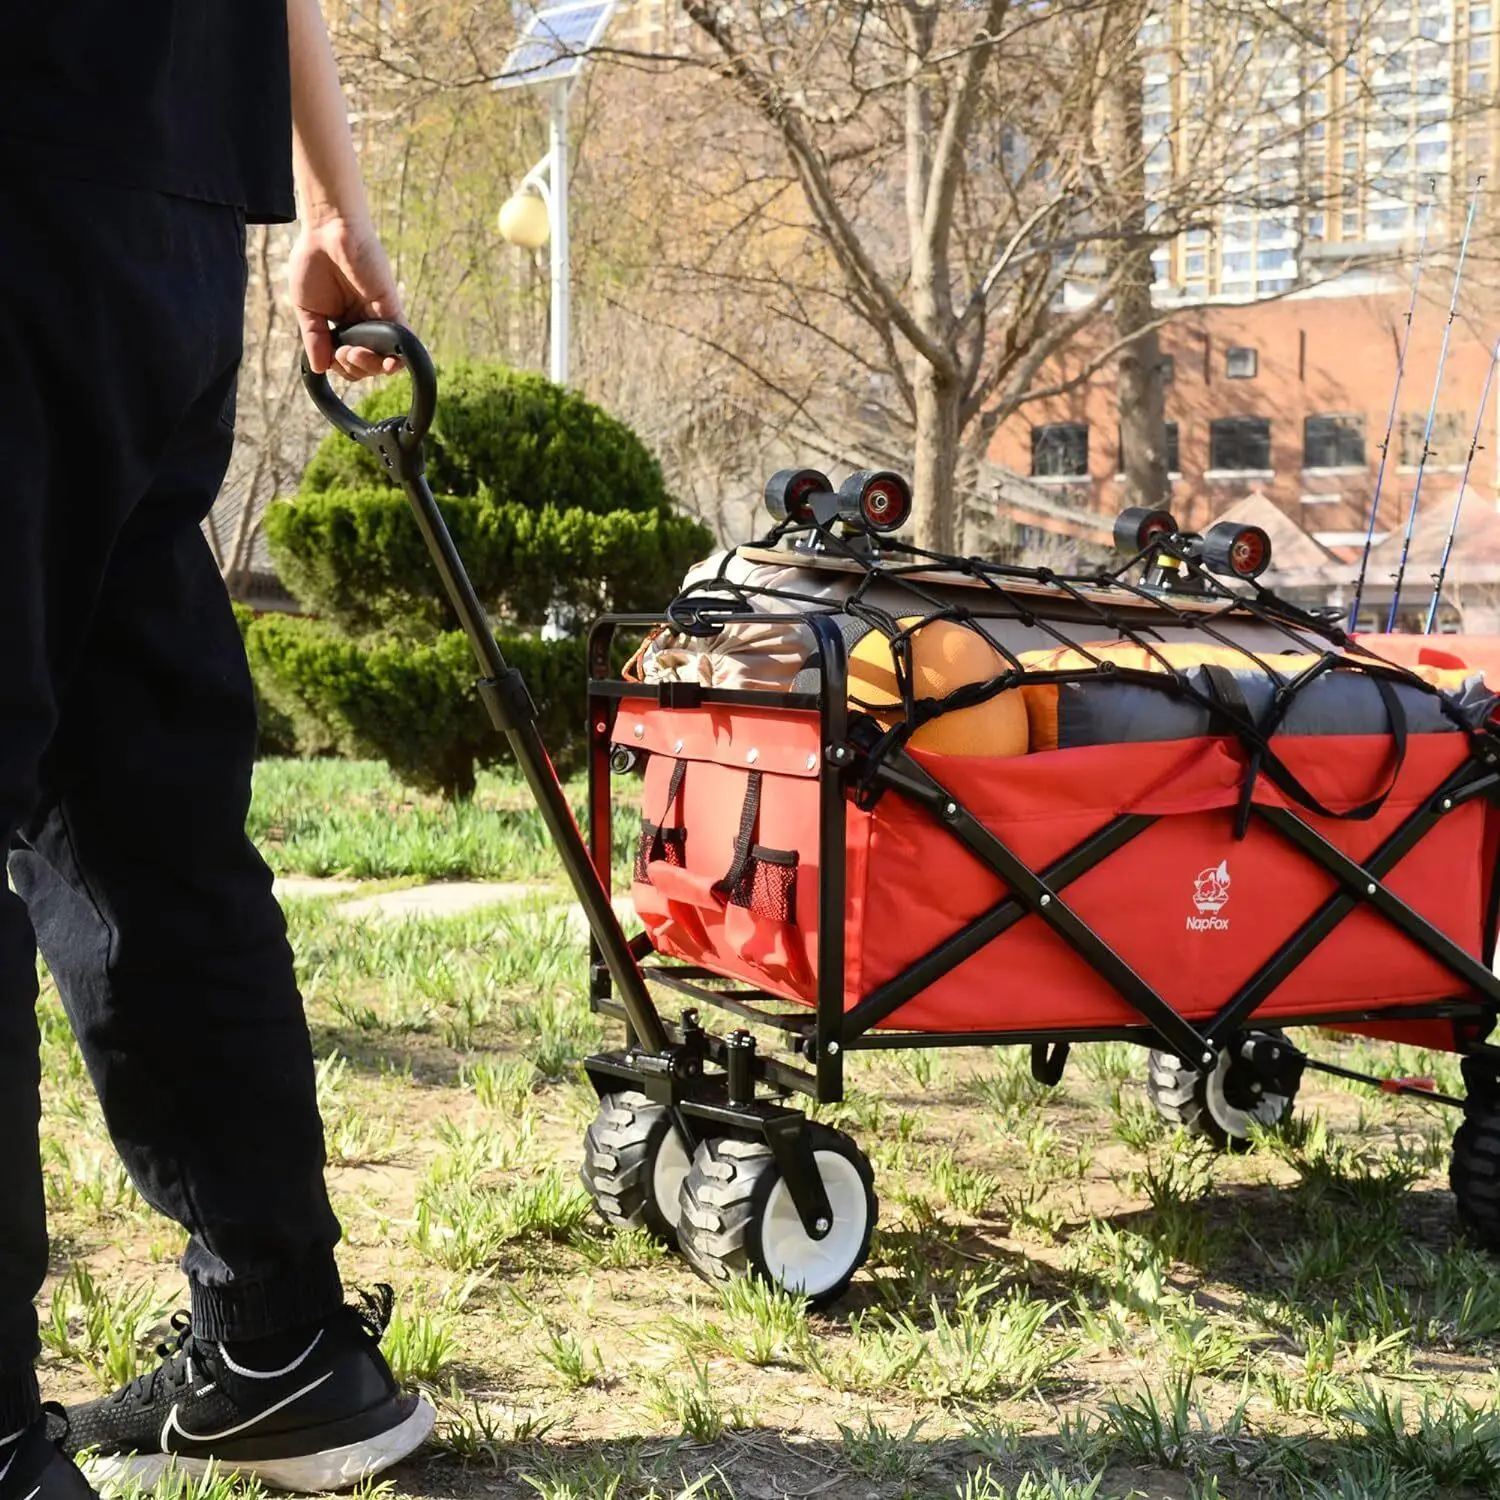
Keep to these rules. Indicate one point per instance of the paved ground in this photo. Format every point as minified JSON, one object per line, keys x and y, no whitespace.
{"x":444,"y":898}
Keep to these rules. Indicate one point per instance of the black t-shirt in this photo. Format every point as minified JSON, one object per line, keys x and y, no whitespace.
{"x":189,"y":97}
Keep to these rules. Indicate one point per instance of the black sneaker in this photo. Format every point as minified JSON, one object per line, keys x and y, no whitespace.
{"x":324,"y":1421}
{"x":34,"y":1467}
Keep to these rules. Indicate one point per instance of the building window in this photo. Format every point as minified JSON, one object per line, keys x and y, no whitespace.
{"x":1239,"y":444}
{"x":1174,"y":463}
{"x":1059,"y":449}
{"x":1240,"y":363}
{"x":1450,"y":438}
{"x":1333,"y":442}
{"x":1167,"y":369}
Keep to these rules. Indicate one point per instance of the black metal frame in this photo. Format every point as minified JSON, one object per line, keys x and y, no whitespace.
{"x":675,"y":1065}
{"x":826,"y":1033}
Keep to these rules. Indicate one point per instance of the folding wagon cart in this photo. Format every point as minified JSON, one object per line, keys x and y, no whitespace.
{"x":1215,"y":817}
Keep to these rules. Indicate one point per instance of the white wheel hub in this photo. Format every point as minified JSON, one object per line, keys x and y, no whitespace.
{"x":1236,"y":1122}
{"x":796,"y":1260}
{"x":672,"y":1164}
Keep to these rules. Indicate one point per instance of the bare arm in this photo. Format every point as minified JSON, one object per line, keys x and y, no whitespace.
{"x":338,"y":271}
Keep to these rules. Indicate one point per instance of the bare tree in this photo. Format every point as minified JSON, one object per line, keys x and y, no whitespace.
{"x":274,"y":426}
{"x":882,"y":99}
{"x":1142,"y":408}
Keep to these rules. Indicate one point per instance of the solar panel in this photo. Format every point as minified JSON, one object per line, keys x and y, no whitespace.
{"x":554,"y":44}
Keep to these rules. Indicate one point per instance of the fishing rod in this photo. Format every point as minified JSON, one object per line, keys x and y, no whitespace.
{"x":1390,"y":421}
{"x":1463,"y":484}
{"x":1437,"y":385}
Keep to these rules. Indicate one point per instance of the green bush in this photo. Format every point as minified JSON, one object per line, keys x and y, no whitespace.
{"x":414,"y":705}
{"x":356,"y":556}
{"x":550,"y":500}
{"x":276,"y":735}
{"x":514,"y":434}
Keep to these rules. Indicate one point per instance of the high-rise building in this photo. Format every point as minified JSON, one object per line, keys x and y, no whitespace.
{"x":1312,"y":135}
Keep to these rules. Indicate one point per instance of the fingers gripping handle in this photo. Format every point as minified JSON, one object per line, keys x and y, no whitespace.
{"x":393,"y":341}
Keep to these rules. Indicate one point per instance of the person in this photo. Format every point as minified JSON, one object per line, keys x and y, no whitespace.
{"x":139,"y":140}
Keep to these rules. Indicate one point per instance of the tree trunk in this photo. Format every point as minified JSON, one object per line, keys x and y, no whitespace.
{"x":1140,"y":397}
{"x":933,"y":490}
{"x":1142,"y":404}
{"x":937,"y":393}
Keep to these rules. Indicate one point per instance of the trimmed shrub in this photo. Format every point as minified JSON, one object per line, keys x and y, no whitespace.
{"x":355,"y":556}
{"x":514,"y":434}
{"x":551,"y":502}
{"x":275,"y":732}
{"x":413,"y":705}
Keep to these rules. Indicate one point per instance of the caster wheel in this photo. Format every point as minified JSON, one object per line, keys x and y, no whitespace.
{"x":1475,"y":1173}
{"x":1236,"y":551}
{"x":1216,"y":1105}
{"x":738,"y":1218}
{"x":875,"y":499}
{"x":1137,"y":526}
{"x":789,"y":492}
{"x":634,"y":1164}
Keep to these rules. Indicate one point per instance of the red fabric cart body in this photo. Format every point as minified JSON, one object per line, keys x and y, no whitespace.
{"x":1194,"y":910}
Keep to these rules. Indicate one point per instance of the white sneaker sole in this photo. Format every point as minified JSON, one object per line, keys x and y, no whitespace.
{"x":311,"y":1473}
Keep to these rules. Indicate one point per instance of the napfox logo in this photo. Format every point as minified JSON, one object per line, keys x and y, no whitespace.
{"x":1210,"y":896}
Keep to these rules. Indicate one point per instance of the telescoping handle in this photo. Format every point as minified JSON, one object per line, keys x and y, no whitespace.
{"x":397,"y":443}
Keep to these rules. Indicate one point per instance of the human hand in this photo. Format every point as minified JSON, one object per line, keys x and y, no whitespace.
{"x":339,"y":274}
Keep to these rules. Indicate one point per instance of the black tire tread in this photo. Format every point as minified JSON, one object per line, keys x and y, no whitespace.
{"x":1474,"y":1174}
{"x":722,"y":1198}
{"x":619,"y":1150}
{"x":718,"y":1203}
{"x":1178,"y":1092}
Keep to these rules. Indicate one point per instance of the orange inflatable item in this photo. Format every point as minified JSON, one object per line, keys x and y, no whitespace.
{"x":944,"y":655}
{"x":1465,"y":653}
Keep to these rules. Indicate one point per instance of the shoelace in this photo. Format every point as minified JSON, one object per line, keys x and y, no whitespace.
{"x":176,"y":1362}
{"x":374,"y":1311}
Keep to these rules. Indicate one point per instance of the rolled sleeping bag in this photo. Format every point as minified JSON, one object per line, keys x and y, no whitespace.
{"x":767,"y":649}
{"x":945,"y":655}
{"x":1097,"y":709}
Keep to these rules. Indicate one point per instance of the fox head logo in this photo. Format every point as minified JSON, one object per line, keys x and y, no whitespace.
{"x":1211,"y":889}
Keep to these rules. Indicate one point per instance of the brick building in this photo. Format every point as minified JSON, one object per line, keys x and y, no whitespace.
{"x":1290,"y":399}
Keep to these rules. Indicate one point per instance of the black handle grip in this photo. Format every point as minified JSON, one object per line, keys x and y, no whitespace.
{"x":394,"y":342}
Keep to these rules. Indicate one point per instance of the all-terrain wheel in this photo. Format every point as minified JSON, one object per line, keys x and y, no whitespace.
{"x":634,"y":1164}
{"x":738,"y":1218}
{"x":1215,"y":1105}
{"x":1474,"y":1174}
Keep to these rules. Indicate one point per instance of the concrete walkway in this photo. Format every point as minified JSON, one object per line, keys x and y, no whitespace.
{"x":311,"y":887}
{"x":444,"y":898}
{"x":440,"y":898}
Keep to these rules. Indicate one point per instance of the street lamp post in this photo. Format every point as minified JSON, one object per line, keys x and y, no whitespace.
{"x":551,"y":50}
{"x":536,"y":214}
{"x":557,"y":171}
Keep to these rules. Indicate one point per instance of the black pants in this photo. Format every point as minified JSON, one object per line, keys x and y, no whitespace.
{"x":126,"y":740}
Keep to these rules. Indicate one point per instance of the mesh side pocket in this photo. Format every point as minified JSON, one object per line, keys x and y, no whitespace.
{"x":768,"y":887}
{"x":666,"y":844}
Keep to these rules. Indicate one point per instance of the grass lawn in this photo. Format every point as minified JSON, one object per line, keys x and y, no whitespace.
{"x":1064,"y":1300}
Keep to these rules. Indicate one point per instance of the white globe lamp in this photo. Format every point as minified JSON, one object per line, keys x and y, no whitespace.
{"x":524,"y":221}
